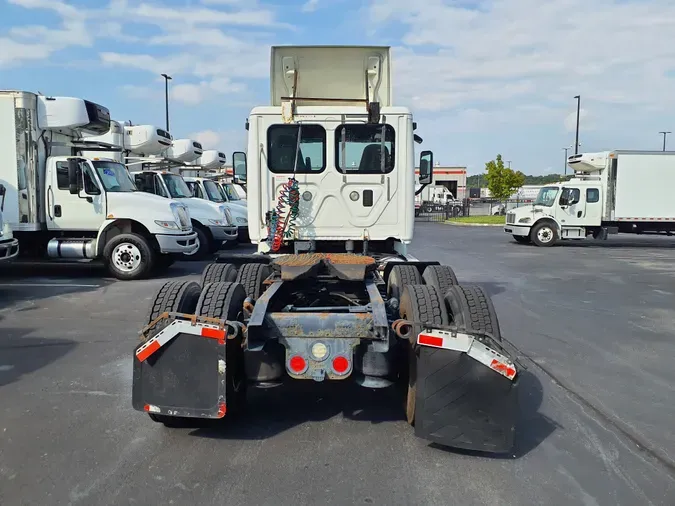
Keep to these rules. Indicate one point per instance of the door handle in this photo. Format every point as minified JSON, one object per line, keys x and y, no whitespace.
{"x":49,"y":203}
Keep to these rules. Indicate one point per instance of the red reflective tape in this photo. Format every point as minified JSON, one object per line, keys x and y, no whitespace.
{"x":143,"y":354}
{"x":213,"y":333}
{"x":222,"y":409}
{"x":430,"y":340}
{"x":506,"y":370}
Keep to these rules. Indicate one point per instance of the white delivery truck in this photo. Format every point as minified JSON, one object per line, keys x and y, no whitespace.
{"x":611,"y":192}
{"x":148,"y":147}
{"x":9,"y":247}
{"x":62,"y":204}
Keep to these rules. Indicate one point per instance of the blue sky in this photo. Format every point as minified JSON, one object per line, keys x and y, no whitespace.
{"x":482,"y":77}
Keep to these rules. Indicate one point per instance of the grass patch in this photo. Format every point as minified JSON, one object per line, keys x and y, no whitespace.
{"x":482,"y":220}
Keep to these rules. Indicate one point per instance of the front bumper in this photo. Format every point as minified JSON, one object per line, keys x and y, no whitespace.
{"x":228,"y":233}
{"x":185,"y":243}
{"x":517,"y":230}
{"x":9,"y":248}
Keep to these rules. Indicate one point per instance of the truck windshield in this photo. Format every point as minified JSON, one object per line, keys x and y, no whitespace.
{"x":114,"y":176}
{"x":176,"y":186}
{"x":546,"y":196}
{"x":213,"y":192}
{"x":230,"y":192}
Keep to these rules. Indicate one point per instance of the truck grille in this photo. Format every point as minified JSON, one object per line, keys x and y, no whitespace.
{"x":510,"y":217}
{"x":184,"y":217}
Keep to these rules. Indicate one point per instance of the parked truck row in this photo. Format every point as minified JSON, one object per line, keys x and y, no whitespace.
{"x":69,"y":194}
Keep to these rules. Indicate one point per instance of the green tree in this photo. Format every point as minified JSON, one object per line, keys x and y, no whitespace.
{"x":502,"y":181}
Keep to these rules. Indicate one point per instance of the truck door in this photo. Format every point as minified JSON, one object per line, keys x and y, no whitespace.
{"x":593,"y":207}
{"x":83,"y":211}
{"x":572,"y":207}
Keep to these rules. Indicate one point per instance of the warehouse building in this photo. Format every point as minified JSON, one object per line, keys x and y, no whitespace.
{"x":453,"y":178}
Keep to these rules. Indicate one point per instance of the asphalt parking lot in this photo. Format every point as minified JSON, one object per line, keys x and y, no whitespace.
{"x":594,"y":321}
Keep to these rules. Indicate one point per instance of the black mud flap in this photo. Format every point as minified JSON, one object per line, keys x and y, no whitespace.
{"x":461,"y":403}
{"x":184,"y":378}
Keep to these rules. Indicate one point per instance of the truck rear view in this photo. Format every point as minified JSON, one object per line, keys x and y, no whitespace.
{"x":332,"y":294}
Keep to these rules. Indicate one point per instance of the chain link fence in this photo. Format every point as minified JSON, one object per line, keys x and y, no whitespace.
{"x":439,"y":212}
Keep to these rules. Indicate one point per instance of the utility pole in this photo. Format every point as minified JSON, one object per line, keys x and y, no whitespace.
{"x":509,"y":162}
{"x":664,"y":138}
{"x":576,"y":144}
{"x":565,"y":163}
{"x":167,"y":78}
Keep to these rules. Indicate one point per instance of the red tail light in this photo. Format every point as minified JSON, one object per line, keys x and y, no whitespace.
{"x":297,"y":364}
{"x":340,"y":365}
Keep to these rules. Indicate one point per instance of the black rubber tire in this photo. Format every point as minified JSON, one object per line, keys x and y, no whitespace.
{"x":423,"y":304}
{"x":173,"y":297}
{"x":539,"y":226}
{"x":163,"y":262}
{"x":218,"y":273}
{"x":440,"y":276}
{"x":399,"y":277}
{"x":205,"y":246}
{"x":147,"y":257}
{"x":461,"y":403}
{"x":226,"y":301}
{"x":251,"y":276}
{"x":471,"y":308}
{"x":522,"y":239}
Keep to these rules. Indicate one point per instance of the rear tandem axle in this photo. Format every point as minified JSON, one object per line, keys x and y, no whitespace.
{"x":332,"y":317}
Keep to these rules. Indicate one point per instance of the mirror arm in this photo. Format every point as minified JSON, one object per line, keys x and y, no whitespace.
{"x":421,"y":189}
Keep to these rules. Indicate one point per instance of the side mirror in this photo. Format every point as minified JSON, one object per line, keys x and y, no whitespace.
{"x":426,"y":167}
{"x":239,"y":165}
{"x":73,"y":183}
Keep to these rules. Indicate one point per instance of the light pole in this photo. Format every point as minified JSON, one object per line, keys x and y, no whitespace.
{"x":664,"y":138}
{"x":565,"y":162}
{"x":509,"y":162}
{"x":576,"y":144}
{"x":167,"y":78}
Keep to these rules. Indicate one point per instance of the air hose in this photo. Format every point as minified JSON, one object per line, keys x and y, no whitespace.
{"x":282,"y":220}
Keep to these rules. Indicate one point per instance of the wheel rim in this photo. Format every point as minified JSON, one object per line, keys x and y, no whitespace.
{"x":195,"y":250}
{"x":127,"y":257}
{"x":545,"y":234}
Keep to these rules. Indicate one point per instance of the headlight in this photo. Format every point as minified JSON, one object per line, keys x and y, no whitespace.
{"x":171,"y":225}
{"x":241,"y":220}
{"x":181,"y":215}
{"x":226,"y":213}
{"x":524,"y":220}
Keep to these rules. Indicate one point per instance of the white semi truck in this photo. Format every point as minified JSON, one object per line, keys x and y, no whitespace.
{"x":332,"y":293}
{"x":63,"y":205}
{"x":9,"y":247}
{"x":611,"y":192}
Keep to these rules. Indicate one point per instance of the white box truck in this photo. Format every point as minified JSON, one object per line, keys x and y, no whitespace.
{"x":611,"y":192}
{"x":62,"y":204}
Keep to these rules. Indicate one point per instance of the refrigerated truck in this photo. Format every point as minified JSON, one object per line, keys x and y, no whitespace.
{"x":61,"y":204}
{"x":9,"y":247}
{"x":611,"y":192}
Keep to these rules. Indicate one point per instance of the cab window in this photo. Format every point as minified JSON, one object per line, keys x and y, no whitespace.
{"x":282,"y":142}
{"x":359,"y":149}
{"x":592,"y":195}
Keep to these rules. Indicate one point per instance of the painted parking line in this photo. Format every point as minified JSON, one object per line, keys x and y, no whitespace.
{"x":45,"y":285}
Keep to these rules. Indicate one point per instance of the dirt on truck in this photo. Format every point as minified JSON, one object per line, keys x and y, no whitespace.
{"x":332,"y":294}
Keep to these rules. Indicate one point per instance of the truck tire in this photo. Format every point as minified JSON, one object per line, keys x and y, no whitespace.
{"x":460,"y":402}
{"x":251,"y":276}
{"x":399,"y":277}
{"x":522,"y":239}
{"x":544,"y":234}
{"x":129,"y":256}
{"x":204,"y":249}
{"x":226,"y":301}
{"x":423,"y":304}
{"x":163,"y":262}
{"x":172,"y":297}
{"x":440,"y":276}
{"x":218,"y":273}
{"x":471,"y":309}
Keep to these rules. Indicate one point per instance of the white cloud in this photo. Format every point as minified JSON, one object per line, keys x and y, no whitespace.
{"x":518,"y":51}
{"x":209,"y":139}
{"x":310,"y":6}
{"x":226,"y":141}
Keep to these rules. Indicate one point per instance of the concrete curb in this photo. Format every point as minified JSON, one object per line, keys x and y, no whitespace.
{"x":473,"y":224}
